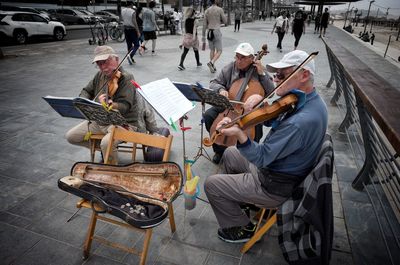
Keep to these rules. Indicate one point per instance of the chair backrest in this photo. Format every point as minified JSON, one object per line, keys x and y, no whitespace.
{"x":120,"y":134}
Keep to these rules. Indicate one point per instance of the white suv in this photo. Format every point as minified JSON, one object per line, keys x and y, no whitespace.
{"x":22,"y":25}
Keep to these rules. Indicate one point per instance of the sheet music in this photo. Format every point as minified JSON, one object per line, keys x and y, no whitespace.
{"x":166,"y":99}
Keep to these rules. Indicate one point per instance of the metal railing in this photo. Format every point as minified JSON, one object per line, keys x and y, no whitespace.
{"x":373,"y":140}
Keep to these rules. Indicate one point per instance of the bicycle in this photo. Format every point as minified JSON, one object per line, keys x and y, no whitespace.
{"x":116,"y":31}
{"x":99,"y":33}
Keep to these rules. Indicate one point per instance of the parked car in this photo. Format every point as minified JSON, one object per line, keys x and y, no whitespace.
{"x":70,"y":16}
{"x":93,"y":17}
{"x":23,"y":25}
{"x":107,"y":16}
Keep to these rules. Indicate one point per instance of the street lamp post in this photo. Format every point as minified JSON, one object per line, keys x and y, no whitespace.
{"x":376,"y":18}
{"x":365,"y":22}
{"x":345,"y":18}
{"x":355,"y":16}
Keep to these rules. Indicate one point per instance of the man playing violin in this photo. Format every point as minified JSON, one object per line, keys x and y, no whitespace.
{"x":235,"y":70}
{"x":124,"y":99}
{"x":266,"y":173}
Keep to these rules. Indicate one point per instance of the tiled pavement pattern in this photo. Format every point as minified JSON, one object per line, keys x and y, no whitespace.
{"x":34,"y":155}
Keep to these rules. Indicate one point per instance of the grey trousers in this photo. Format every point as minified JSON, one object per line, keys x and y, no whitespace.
{"x":238,"y":184}
{"x":77,"y":134}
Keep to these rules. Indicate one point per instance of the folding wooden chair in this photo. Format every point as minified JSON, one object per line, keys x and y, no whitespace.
{"x":119,"y":134}
{"x":94,"y":145}
{"x":260,"y":231}
{"x":326,"y":151}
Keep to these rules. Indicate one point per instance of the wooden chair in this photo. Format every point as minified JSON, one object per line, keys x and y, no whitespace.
{"x":119,"y":134}
{"x":326,"y":151}
{"x":260,"y":231}
{"x":94,"y":145}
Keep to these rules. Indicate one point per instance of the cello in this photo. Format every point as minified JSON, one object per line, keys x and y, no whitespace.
{"x":239,"y":91}
{"x":269,"y":108}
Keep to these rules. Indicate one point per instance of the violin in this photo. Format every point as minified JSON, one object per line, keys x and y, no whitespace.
{"x":240,"y":91}
{"x":264,"y":111}
{"x":113,"y":84}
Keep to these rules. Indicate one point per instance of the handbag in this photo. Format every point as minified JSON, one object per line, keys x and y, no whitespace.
{"x":210,"y":34}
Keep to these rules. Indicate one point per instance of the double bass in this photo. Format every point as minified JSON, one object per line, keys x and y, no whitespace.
{"x":239,"y":91}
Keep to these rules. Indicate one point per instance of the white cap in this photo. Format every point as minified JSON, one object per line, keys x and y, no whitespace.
{"x":245,"y":49}
{"x":293,"y":58}
{"x":102,"y":53}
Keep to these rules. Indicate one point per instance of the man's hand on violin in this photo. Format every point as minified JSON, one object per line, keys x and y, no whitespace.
{"x":232,"y":130}
{"x":102,"y":99}
{"x":251,"y":102}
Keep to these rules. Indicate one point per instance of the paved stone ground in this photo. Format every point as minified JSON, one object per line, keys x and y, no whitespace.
{"x":34,"y":155}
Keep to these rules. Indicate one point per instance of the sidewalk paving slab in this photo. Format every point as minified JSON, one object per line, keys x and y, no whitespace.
{"x":35,"y":154}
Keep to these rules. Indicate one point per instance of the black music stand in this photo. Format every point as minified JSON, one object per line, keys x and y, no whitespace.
{"x":210,"y":97}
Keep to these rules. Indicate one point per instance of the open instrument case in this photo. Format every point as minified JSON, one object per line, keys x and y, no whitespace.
{"x":138,"y":193}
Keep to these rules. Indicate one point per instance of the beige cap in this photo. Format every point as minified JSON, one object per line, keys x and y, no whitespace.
{"x":102,"y":53}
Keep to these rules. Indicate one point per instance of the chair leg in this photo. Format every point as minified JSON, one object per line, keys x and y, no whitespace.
{"x":171,"y":217}
{"x":92,"y":150}
{"x":146,"y":244}
{"x":259,"y":234}
{"x":89,"y":236}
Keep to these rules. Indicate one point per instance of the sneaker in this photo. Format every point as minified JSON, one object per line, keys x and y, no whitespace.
{"x":237,"y":234}
{"x":153,"y":53}
{"x":211,"y":67}
{"x":181,"y":67}
{"x":130,"y":60}
{"x":199,"y":64}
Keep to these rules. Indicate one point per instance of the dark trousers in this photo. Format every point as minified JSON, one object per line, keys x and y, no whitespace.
{"x":131,"y":38}
{"x":209,"y":117}
{"x":280,"y":38}
{"x":185,"y":52}
{"x":237,"y":23}
{"x":297,"y":36}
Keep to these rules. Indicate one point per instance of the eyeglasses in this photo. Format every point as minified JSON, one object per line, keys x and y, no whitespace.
{"x":279,"y":76}
{"x":102,"y":62}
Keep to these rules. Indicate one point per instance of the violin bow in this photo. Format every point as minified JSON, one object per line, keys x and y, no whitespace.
{"x":112,"y":74}
{"x":298,"y":68}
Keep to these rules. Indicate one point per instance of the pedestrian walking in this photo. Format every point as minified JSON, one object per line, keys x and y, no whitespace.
{"x":298,"y":27}
{"x":324,"y":22}
{"x":372,"y":38}
{"x":281,"y":26}
{"x":238,"y":16}
{"x":317,"y":22}
{"x":139,"y":21}
{"x":190,"y":39}
{"x":131,"y":30}
{"x":213,"y":18}
{"x":149,"y":28}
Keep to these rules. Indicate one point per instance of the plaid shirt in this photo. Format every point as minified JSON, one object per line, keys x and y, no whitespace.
{"x":305,"y":221}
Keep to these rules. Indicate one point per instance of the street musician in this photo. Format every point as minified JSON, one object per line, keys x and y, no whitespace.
{"x":112,"y":86}
{"x":245,"y":64}
{"x":266,"y":173}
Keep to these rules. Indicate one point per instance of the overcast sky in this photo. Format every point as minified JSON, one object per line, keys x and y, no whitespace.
{"x":394,"y":6}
